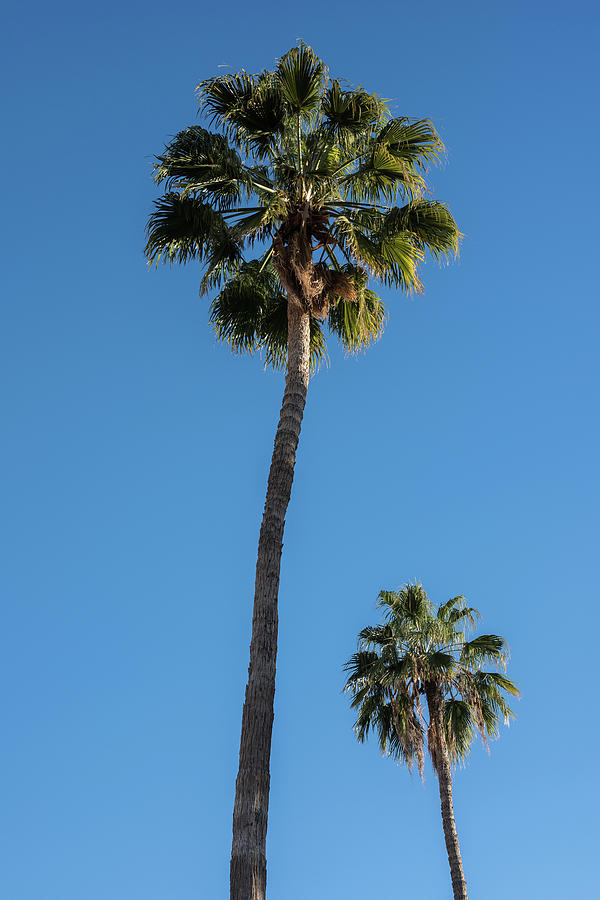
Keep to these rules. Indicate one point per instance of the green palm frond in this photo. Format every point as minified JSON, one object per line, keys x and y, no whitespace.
{"x":456,"y":612}
{"x":468,"y":616}
{"x":264,"y":119}
{"x":460,"y":729}
{"x":353,"y":111}
{"x":357,"y":323}
{"x":224,"y":98}
{"x":500,"y":682}
{"x":249,"y":108}
{"x":390,"y":258}
{"x":400,"y":258}
{"x":223,"y":261}
{"x":483,"y":649}
{"x":183,"y":228}
{"x":430,"y":225}
{"x":259,"y":223}
{"x":439,"y":663}
{"x":405,"y":738}
{"x":491,"y":717}
{"x":375,"y":635}
{"x":237,"y":313}
{"x":360,"y":664}
{"x":301,"y":75}
{"x":197,"y":161}
{"x":382,"y":177}
{"x":416,"y":143}
{"x":326,"y":159}
{"x":410,"y":604}
{"x":371,"y":713}
{"x":447,"y":608}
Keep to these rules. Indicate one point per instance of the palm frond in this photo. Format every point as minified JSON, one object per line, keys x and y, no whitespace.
{"x":358,"y":323}
{"x":484,"y":648}
{"x":374,"y":635}
{"x":184,"y":228}
{"x":430,"y":225}
{"x":445,"y":609}
{"x":372,"y":713}
{"x":259,"y":223}
{"x":249,"y":108}
{"x":238,"y":311}
{"x":414,"y":142}
{"x":224,"y":98}
{"x":381,"y":177}
{"x":361,"y":670}
{"x":301,"y":75}
{"x":438,"y":663}
{"x":410,"y":604}
{"x":353,"y":111}
{"x":459,"y":728}
{"x":501,"y":682}
{"x":223,"y":261}
{"x":197,"y":161}
{"x":400,"y":258}
{"x":391,"y":258}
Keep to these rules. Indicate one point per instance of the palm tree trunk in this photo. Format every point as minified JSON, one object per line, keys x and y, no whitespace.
{"x":248,"y":871}
{"x":441,"y":762}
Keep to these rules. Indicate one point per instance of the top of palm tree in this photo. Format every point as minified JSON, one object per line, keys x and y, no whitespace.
{"x":421,"y":650}
{"x":294,"y":148}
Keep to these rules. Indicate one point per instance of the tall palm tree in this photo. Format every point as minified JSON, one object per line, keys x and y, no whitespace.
{"x":417,"y":678}
{"x":291,"y":206}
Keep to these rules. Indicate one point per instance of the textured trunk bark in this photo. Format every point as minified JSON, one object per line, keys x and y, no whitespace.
{"x":248,"y":871}
{"x":441,"y":762}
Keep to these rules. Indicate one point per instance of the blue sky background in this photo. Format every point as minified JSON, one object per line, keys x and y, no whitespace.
{"x":461,"y":450}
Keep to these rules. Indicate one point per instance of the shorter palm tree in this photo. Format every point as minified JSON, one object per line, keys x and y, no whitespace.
{"x":417,"y":678}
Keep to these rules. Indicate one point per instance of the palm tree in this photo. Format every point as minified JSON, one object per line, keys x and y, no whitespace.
{"x":291,"y":206}
{"x":423,"y":652}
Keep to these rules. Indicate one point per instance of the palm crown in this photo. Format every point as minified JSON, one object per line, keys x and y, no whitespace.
{"x":423,"y":652}
{"x":308,"y":190}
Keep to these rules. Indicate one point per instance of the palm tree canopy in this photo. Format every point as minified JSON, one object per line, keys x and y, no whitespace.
{"x":293,"y":148}
{"x":423,"y":651}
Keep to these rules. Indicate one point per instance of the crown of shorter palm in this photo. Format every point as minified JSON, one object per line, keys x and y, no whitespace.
{"x":296,"y":146}
{"x":421,"y":649}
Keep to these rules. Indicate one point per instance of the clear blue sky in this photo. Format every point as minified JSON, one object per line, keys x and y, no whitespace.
{"x":461,"y":450}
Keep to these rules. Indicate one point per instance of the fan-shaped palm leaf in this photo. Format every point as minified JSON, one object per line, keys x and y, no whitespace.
{"x":183,"y":228}
{"x":352,"y":111}
{"x":301,"y":75}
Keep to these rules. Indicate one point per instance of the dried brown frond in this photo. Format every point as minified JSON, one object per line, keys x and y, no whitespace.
{"x":341,"y":285}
